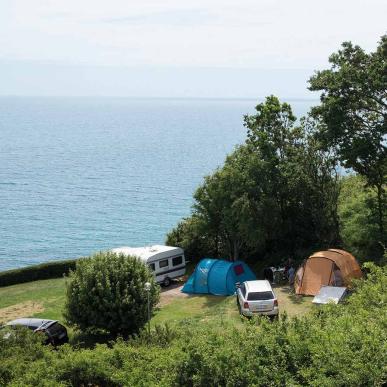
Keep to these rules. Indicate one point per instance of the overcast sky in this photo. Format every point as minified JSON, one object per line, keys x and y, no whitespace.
{"x":176,"y":48}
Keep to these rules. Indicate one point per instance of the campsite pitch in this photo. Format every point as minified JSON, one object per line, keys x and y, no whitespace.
{"x":46,"y":299}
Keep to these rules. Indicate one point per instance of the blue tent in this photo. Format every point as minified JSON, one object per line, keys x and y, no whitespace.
{"x":216,"y":276}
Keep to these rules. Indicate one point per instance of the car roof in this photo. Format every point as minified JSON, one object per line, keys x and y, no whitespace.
{"x":32,"y":322}
{"x":258,"y":286}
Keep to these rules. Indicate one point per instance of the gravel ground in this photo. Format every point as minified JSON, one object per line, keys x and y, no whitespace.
{"x":170,"y":293}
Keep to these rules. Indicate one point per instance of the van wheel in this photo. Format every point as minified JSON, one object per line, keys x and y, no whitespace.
{"x":166,"y":282}
{"x":239,"y":307}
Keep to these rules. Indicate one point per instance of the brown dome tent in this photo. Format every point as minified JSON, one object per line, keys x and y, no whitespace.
{"x":332,"y":267}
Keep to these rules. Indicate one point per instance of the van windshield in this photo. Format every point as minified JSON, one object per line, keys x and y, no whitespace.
{"x":260,"y":296}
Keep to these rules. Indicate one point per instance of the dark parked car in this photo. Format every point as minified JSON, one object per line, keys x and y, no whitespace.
{"x":56,"y":333}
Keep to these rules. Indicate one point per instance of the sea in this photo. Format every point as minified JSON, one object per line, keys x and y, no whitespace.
{"x":79,"y":175}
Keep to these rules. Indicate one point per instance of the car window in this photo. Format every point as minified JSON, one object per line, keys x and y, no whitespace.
{"x":260,"y":296}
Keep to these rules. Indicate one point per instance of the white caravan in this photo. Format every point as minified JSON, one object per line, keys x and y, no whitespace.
{"x":166,"y":262}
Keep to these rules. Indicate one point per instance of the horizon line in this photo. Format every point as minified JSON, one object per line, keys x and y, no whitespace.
{"x":160,"y":97}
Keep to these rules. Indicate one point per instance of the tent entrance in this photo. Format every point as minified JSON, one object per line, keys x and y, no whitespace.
{"x":318,"y":272}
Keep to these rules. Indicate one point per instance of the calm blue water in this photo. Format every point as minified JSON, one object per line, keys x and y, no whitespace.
{"x":78,"y":175}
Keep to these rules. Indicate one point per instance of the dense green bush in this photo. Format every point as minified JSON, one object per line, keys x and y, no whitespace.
{"x":47,"y":270}
{"x":107,"y":292}
{"x":336,"y":345}
{"x":17,"y":352}
{"x":359,"y":220}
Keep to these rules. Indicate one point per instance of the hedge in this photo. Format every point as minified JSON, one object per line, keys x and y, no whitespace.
{"x":47,"y":270}
{"x":341,"y":345}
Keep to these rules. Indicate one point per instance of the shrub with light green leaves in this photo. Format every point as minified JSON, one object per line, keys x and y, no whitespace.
{"x":336,"y":345}
{"x":107,"y":293}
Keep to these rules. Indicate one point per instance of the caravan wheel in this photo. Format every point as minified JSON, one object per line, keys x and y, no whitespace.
{"x":166,"y":282}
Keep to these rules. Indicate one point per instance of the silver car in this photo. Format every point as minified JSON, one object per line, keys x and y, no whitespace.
{"x":257,"y":297}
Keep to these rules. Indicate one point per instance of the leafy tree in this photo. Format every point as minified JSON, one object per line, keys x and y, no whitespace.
{"x":190,"y":235}
{"x":227,"y":209}
{"x":302,"y":179}
{"x":354,"y":110}
{"x":275,"y":195}
{"x":358,"y":218}
{"x":107,"y":292}
{"x":224,"y":214}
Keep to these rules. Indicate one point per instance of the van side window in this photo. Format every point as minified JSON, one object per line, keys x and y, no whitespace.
{"x":152,"y":266}
{"x":163,"y":263}
{"x":177,"y":261}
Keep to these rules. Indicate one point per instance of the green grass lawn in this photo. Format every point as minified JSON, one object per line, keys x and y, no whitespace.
{"x":201,"y":308}
{"x":291,"y":303}
{"x":50,"y":296}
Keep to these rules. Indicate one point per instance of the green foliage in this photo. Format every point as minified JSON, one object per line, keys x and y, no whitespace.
{"x":354,"y":109}
{"x":224,"y":207}
{"x":371,"y":295}
{"x":47,"y":270}
{"x":190,"y":234}
{"x":336,"y":345}
{"x":161,"y":336}
{"x":107,"y":292}
{"x":358,"y":219}
{"x":19,"y":348}
{"x":297,"y":179}
{"x":276,"y":195}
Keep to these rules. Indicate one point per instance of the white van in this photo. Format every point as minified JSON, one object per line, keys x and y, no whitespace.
{"x":166,"y":262}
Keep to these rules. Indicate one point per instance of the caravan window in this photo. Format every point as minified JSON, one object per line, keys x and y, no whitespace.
{"x":163,"y":263}
{"x":152,"y":266}
{"x":177,"y":261}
